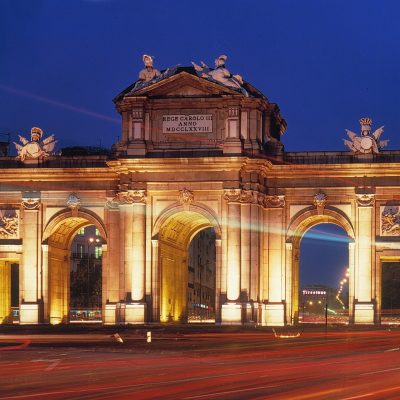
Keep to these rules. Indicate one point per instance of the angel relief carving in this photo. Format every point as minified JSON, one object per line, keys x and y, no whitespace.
{"x":366,"y":143}
{"x":390,"y":221}
{"x":35,"y":148}
{"x":8,"y":224}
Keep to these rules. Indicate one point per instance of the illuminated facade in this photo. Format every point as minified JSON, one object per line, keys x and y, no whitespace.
{"x":194,"y":153}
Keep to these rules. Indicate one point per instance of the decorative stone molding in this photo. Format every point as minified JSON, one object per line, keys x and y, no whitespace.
{"x":365,"y":199}
{"x":274,"y":201}
{"x":137,"y":114}
{"x":186,"y":197}
{"x":320,"y":199}
{"x":73,"y":201}
{"x":8,"y":224}
{"x":233,"y":112}
{"x":232,"y":195}
{"x":30,"y":203}
{"x":131,"y":197}
{"x":112,"y":203}
{"x":240,"y":196}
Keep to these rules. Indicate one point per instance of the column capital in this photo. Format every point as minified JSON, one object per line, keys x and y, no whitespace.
{"x":241,"y":196}
{"x":274,"y":201}
{"x":30,"y":203}
{"x":365,"y":199}
{"x":127,"y":197}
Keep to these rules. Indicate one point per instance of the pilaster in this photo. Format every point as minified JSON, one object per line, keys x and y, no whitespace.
{"x":133,"y":204}
{"x":363,"y":302}
{"x":29,"y":308}
{"x":5,"y":292}
{"x":275,"y":305}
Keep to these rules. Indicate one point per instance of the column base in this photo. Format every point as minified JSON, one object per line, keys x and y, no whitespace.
{"x":364,"y":313}
{"x":110,"y":314}
{"x":273,"y":314}
{"x":231,"y":314}
{"x":29,"y":313}
{"x":232,"y":146}
{"x":249,"y":313}
{"x":135,"y":313}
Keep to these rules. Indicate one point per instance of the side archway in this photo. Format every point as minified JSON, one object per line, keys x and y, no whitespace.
{"x":300,"y":224}
{"x":58,"y":235}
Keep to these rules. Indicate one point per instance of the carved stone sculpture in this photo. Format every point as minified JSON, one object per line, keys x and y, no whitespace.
{"x":73,"y":201}
{"x":148,"y":73}
{"x":35,"y":148}
{"x":365,"y":143}
{"x":186,"y":197}
{"x":390,"y":221}
{"x":320,"y":199}
{"x":220,"y":74}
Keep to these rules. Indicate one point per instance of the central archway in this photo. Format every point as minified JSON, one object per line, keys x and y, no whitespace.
{"x":300,"y":224}
{"x":175,"y":234}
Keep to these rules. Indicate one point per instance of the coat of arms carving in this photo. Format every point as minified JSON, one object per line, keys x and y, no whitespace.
{"x":36,"y":148}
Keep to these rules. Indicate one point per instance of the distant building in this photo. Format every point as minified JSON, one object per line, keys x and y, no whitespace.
{"x":313,"y":298}
{"x":85,"y":274}
{"x":201,"y":271}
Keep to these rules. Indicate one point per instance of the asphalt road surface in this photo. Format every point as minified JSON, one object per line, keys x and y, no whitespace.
{"x":196,"y":366}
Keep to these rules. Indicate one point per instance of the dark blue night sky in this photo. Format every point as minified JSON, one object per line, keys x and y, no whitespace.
{"x":326,"y":63}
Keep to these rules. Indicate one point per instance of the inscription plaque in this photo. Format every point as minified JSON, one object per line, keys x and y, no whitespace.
{"x":193,"y":123}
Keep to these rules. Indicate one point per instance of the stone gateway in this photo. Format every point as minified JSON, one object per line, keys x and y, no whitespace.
{"x":199,"y":150}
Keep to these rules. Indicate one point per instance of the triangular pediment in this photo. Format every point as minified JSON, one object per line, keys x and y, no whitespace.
{"x":183,"y":84}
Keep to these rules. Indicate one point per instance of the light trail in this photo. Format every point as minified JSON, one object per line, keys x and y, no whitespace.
{"x":58,"y":104}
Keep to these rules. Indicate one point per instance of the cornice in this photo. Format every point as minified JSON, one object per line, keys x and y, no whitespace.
{"x":55,"y":174}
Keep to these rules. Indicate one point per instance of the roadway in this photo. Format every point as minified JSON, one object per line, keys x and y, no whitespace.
{"x":196,"y":365}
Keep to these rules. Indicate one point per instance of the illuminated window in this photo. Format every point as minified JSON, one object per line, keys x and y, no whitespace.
{"x":97,"y":232}
{"x":80,"y":248}
{"x":98,"y":251}
{"x":81,"y":231}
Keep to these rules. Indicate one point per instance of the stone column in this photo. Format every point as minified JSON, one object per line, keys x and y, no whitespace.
{"x":111,"y":263}
{"x":363,"y":302}
{"x":255,"y":213}
{"x":352,"y":279}
{"x":218,"y":267}
{"x":45,"y":282}
{"x":155,"y":268}
{"x":134,"y":205}
{"x":231,"y":310}
{"x":274,"y":308}
{"x":5,"y":292}
{"x":29,"y":308}
{"x":291,"y":317}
